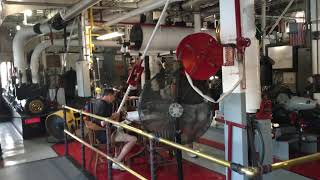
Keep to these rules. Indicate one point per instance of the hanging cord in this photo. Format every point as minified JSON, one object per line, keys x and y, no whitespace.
{"x":145,"y":52}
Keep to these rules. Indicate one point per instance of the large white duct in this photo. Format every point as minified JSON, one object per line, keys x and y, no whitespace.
{"x":19,"y":41}
{"x":167,"y":38}
{"x":34,"y":64}
{"x":57,"y":23}
{"x":252,"y":62}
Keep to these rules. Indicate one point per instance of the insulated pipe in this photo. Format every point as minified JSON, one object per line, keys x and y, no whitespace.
{"x":147,"y":8}
{"x":252,"y":60}
{"x":19,"y":41}
{"x":167,"y":37}
{"x":195,"y":4}
{"x":57,"y":23}
{"x":77,"y":9}
{"x":34,"y":64}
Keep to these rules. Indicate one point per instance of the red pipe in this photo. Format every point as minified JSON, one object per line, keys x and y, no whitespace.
{"x":238,"y":19}
{"x":242,"y":42}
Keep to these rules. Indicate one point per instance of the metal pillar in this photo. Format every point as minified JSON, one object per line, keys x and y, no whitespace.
{"x":247,"y":97}
{"x":153,"y":170}
{"x":263,"y":26}
{"x":178,"y":131}
{"x":1,"y":158}
{"x":83,"y":155}
{"x":66,"y":147}
{"x":108,"y":127}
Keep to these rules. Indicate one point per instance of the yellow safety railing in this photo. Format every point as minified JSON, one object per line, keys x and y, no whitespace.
{"x":105,"y":155}
{"x":248,"y":171}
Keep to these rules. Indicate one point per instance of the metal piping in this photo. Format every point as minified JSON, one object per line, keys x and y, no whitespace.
{"x":19,"y":41}
{"x":263,"y":26}
{"x":57,"y":23}
{"x":34,"y":63}
{"x":147,"y":8}
{"x":77,"y":9}
{"x":280,"y":17}
{"x":296,"y":161}
{"x":195,"y":4}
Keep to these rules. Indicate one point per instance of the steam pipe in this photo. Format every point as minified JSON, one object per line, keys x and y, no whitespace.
{"x":21,"y":38}
{"x":34,"y":64}
{"x":138,"y":11}
{"x":55,"y":24}
{"x":77,"y":9}
{"x":195,"y":4}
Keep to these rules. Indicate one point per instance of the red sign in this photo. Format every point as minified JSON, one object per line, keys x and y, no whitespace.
{"x":32,"y":120}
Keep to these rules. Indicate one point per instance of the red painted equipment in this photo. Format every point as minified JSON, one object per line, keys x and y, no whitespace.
{"x":201,"y":55}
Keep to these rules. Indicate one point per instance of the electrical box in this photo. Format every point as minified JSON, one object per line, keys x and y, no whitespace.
{"x":83,"y":79}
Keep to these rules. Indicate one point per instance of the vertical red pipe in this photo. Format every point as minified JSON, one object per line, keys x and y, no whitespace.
{"x":230,"y":134}
{"x":238,"y":19}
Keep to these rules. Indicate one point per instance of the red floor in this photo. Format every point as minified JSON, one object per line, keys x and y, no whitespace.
{"x":168,"y":172}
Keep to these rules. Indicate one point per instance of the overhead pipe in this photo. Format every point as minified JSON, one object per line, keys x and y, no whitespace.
{"x":147,"y":8}
{"x":55,"y":24}
{"x":21,"y":38}
{"x":167,"y":37}
{"x":194,"y":5}
{"x":280,"y":17}
{"x":77,"y":9}
{"x":35,"y":57}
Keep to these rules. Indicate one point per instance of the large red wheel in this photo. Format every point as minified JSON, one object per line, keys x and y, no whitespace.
{"x":201,"y":55}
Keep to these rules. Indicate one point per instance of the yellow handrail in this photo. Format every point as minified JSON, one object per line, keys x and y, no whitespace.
{"x":106,"y":156}
{"x":249,"y":171}
{"x":244,"y":170}
{"x":296,"y":161}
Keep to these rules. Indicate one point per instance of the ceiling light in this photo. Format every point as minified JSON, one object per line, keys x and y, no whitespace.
{"x":18,"y":27}
{"x":28,"y":12}
{"x":110,"y":35}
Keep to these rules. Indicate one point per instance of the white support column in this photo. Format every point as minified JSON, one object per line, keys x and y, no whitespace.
{"x":82,"y":66}
{"x":197,"y":22}
{"x":245,"y":99}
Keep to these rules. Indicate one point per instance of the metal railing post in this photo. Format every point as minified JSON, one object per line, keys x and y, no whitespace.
{"x":83,"y":155}
{"x":109,"y":151}
{"x":152,"y":161}
{"x":178,"y":151}
{"x":66,"y":149}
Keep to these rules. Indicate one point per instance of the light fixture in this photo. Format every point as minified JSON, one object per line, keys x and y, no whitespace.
{"x":28,"y":12}
{"x":18,"y":27}
{"x":110,"y":35}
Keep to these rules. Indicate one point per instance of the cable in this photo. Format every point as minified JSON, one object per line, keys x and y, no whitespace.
{"x":208,"y":98}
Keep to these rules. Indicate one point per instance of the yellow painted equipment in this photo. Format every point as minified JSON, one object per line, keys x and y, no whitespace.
{"x":55,"y":123}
